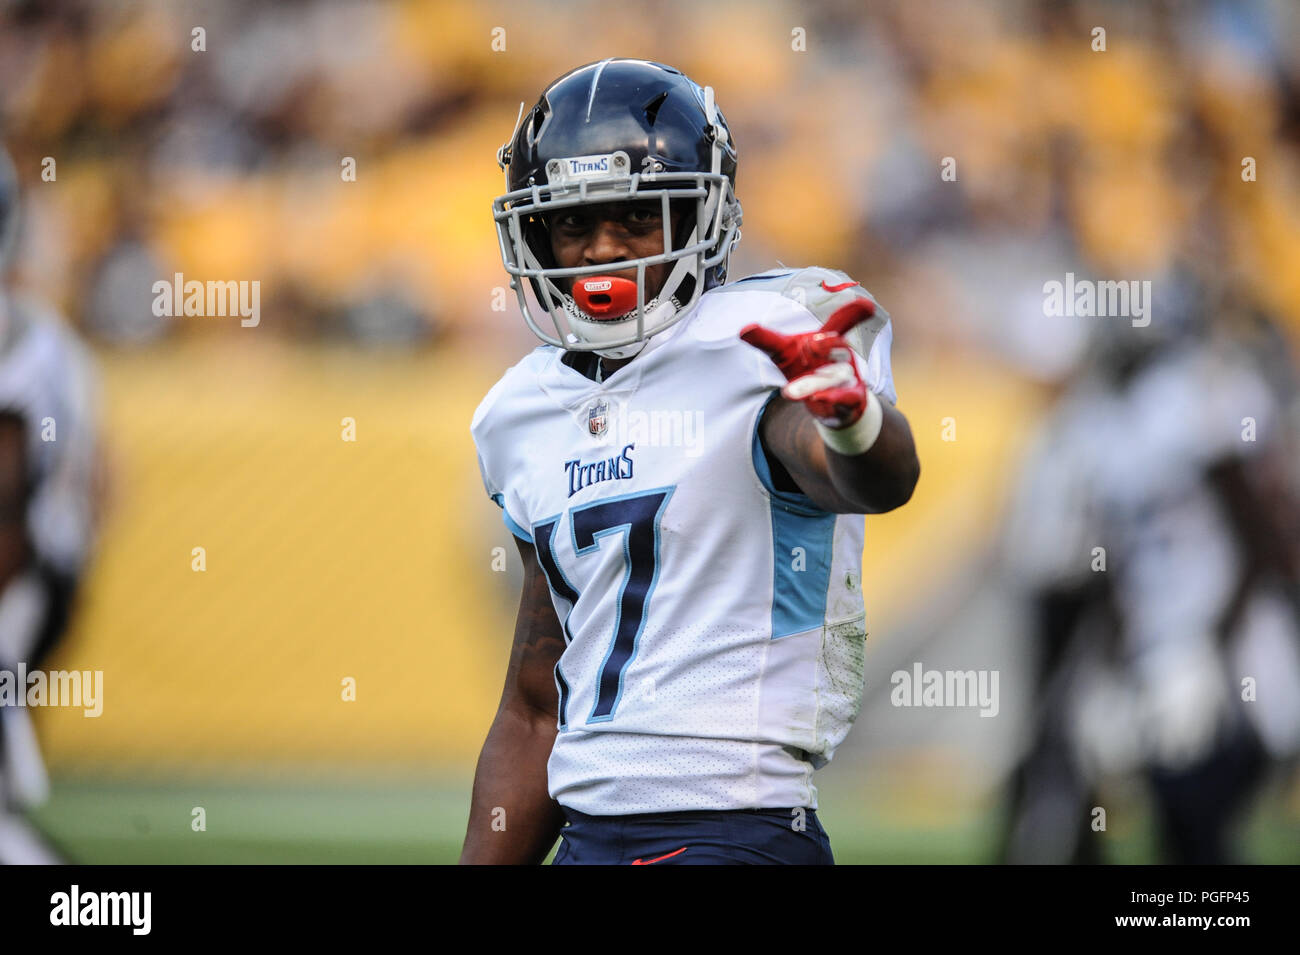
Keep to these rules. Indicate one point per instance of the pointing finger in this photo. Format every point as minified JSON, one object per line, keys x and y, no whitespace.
{"x":847,"y":316}
{"x":828,"y":376}
{"x":765,"y":339}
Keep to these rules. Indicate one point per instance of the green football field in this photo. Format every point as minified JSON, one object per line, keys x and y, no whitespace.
{"x":116,"y":822}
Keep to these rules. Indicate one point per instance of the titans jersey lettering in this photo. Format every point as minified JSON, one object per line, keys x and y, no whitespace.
{"x":608,"y":469}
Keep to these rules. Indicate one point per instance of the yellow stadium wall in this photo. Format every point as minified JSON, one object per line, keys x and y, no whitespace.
{"x":373,"y":559}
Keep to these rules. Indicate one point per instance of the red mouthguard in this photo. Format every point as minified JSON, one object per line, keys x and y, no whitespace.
{"x":604,"y":296}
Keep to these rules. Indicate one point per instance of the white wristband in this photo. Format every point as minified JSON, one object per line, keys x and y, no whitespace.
{"x":858,"y":437}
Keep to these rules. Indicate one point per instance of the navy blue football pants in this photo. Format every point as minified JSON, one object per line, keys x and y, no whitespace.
{"x":733,"y":837}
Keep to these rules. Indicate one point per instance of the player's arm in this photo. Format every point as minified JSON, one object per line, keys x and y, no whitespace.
{"x":871,"y":482}
{"x":510,"y":787}
{"x":845,"y":447}
{"x":14,"y":545}
{"x":1265,"y":516}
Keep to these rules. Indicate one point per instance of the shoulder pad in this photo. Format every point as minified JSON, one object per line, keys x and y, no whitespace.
{"x":521,"y":375}
{"x":821,"y":291}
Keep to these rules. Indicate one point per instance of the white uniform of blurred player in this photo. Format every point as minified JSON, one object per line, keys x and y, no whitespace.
{"x":1148,"y":466}
{"x":47,"y":414}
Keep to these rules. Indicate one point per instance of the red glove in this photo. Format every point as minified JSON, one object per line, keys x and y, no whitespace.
{"x":819,"y":366}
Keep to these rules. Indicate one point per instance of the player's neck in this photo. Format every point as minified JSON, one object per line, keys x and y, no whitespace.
{"x":593,"y":366}
{"x":610,"y":365}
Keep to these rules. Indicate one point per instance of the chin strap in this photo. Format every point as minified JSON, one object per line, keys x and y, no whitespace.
{"x":627,"y":351}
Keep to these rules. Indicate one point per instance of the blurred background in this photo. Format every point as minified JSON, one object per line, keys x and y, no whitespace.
{"x":144,"y":150}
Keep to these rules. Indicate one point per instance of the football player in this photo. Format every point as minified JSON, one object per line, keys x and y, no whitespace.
{"x":685,"y":465}
{"x":1142,"y":666}
{"x":48,"y":477}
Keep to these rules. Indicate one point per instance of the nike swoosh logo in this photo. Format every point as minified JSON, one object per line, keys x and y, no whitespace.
{"x":660,"y":858}
{"x":837,"y":288}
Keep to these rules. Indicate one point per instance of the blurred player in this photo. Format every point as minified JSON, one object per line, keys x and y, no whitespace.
{"x":47,"y":474}
{"x":1170,"y":452}
{"x":690,"y":639}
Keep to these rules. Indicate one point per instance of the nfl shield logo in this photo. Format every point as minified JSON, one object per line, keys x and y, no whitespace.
{"x":597,"y":419}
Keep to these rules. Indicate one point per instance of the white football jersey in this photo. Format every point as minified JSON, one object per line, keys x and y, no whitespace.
{"x":47,"y":379}
{"x":1181,"y":413}
{"x":715,"y":625}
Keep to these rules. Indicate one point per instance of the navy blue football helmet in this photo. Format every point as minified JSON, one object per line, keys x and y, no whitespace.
{"x":627,"y":130}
